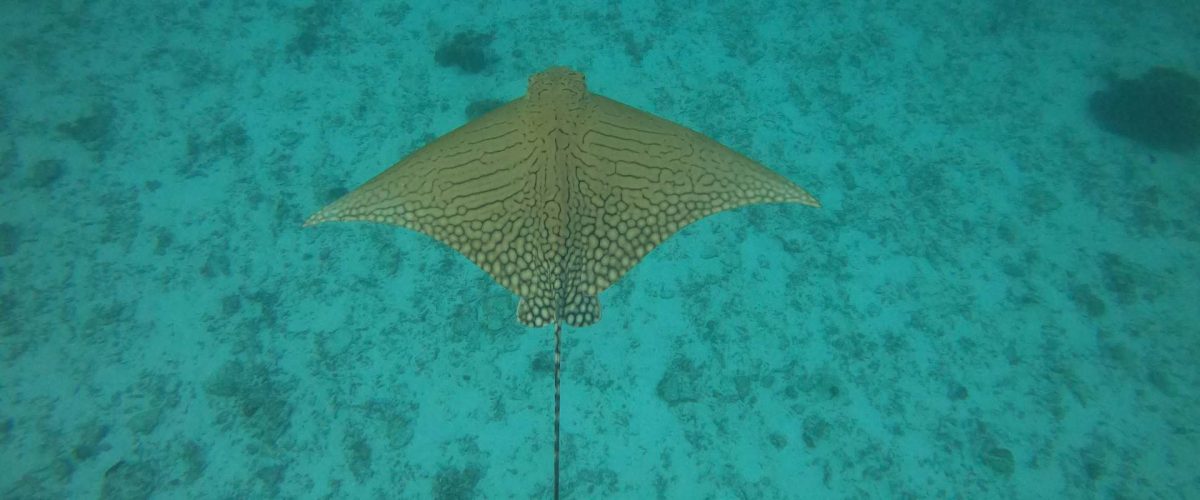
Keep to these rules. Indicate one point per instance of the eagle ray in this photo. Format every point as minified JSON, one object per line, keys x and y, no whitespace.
{"x":558,"y":194}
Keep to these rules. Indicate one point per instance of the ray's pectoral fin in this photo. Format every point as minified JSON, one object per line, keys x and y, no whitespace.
{"x":535,"y":311}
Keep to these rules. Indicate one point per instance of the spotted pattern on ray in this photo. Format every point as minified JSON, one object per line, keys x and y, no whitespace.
{"x":558,"y":194}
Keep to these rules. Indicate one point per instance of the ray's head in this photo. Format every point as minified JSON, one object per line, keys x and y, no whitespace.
{"x":557,"y":83}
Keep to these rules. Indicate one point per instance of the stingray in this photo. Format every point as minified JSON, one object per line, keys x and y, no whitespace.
{"x":557,"y":194}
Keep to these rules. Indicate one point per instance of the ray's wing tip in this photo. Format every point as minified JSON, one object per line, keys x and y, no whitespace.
{"x":801,"y":196}
{"x":315,"y":219}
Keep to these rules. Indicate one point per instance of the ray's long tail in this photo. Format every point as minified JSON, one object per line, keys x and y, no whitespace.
{"x":557,"y":397}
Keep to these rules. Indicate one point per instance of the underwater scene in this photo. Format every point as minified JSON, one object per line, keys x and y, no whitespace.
{"x":644,"y":249}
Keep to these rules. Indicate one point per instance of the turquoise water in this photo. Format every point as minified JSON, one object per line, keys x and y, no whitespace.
{"x":997,"y":299}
